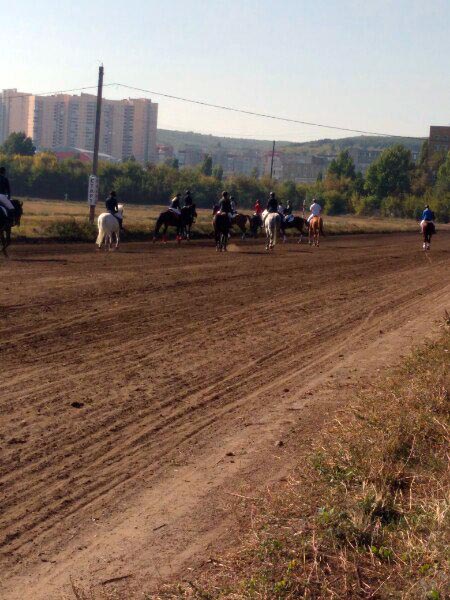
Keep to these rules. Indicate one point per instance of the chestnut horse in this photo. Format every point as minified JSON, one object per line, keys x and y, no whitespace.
{"x":428,"y":229}
{"x":315,"y":230}
{"x":238,"y":219}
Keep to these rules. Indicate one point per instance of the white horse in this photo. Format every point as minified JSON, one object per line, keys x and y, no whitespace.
{"x":108,"y":226}
{"x":272,"y":222}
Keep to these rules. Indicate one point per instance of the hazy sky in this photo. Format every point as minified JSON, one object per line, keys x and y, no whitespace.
{"x":378,"y":65}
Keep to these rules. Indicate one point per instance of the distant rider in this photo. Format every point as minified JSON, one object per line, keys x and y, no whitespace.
{"x":5,"y":194}
{"x":112,"y":207}
{"x":288,"y":209}
{"x":315,"y":210}
{"x":257,"y":208}
{"x":187,"y":198}
{"x":225,"y":205}
{"x":427,"y":216}
{"x":272,"y":204}
{"x":233,"y":205}
{"x":175,"y":204}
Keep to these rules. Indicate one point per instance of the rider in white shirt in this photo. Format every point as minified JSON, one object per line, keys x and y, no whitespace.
{"x":315,"y":210}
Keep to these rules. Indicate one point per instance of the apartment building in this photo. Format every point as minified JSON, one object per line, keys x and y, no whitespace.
{"x":439,"y":140}
{"x":128,"y":127}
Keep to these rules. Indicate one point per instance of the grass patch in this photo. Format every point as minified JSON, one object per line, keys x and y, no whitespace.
{"x":368,"y":516}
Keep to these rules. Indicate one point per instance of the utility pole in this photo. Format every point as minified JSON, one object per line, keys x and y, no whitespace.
{"x":271,"y":162}
{"x":93,"y":179}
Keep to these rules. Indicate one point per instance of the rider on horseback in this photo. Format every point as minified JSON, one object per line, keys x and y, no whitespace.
{"x":6,"y":206}
{"x":175,"y":204}
{"x":187,"y":198}
{"x":272,"y":204}
{"x":225,"y":205}
{"x":233,"y":205}
{"x":257,"y":208}
{"x":315,"y":209}
{"x":427,"y":216}
{"x":113,"y":208}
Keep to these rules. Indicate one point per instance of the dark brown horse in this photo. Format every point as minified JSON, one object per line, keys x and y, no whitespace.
{"x":182,"y":222}
{"x":315,"y":230}
{"x":238,"y":219}
{"x":428,"y":229}
{"x":297,"y":223}
{"x":7,"y":223}
{"x":221,"y":224}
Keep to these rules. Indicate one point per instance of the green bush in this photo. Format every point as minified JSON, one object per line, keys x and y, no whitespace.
{"x":392,"y":206}
{"x":368,"y":205}
{"x":70,"y":230}
{"x":335,"y":203}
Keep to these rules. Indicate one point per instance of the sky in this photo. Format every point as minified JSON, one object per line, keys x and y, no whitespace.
{"x":375,"y":65}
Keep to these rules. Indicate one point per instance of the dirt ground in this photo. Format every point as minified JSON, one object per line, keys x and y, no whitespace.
{"x":143,"y":390}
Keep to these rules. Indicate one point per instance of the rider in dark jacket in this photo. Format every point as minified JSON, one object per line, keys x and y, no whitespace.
{"x":272,"y":204}
{"x":225,"y":204}
{"x":5,"y":193}
{"x":112,"y":206}
{"x":176,"y":202}
{"x":188,"y":198}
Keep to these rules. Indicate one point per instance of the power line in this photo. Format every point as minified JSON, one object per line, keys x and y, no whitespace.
{"x":54,"y":92}
{"x":265,"y":115}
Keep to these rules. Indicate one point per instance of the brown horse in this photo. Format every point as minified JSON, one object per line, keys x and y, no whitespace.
{"x":297,"y":223}
{"x":315,"y":230}
{"x":428,"y":229}
{"x":221,"y":224}
{"x":240,"y":220}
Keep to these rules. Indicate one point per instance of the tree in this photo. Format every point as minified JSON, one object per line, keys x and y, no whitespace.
{"x":390,"y":174}
{"x":206,"y":167}
{"x":18,"y":143}
{"x":218,"y":172}
{"x":342,"y":166}
{"x":443,"y":177}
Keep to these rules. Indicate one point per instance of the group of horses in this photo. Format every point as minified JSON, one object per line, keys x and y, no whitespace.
{"x":273,"y":223}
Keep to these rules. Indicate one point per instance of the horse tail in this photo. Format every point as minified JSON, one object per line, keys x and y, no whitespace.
{"x":321,"y":226}
{"x":101,"y":233}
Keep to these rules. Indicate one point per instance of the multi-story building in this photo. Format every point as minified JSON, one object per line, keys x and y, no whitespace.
{"x":439,"y":140}
{"x":364,"y":157}
{"x":128,"y":127}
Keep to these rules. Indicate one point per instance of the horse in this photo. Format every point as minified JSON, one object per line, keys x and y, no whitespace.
{"x":188,"y":218}
{"x":428,"y":229}
{"x":7,"y":223}
{"x":255,"y":224}
{"x":238,"y":219}
{"x":297,"y":222}
{"x":109,"y":227}
{"x":181,"y":221}
{"x":272,"y":223}
{"x":222,"y":225}
{"x":315,"y":230}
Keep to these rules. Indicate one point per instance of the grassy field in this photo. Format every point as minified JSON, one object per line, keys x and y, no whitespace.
{"x":367,"y":516}
{"x":54,"y":219}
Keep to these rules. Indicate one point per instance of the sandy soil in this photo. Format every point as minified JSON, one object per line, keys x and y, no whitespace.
{"x":143,"y":389}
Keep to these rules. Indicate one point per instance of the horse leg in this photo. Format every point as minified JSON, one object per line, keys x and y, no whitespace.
{"x":3,"y":241}
{"x":164,"y":235}
{"x":117,"y":238}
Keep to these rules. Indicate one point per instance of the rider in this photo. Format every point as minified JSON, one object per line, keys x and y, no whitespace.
{"x":272,"y":204}
{"x":113,"y":208}
{"x":225,"y":205}
{"x":5,"y":194}
{"x":427,"y":215}
{"x":288,"y":209}
{"x":175,"y":204}
{"x":257,"y":208}
{"x":315,"y":210}
{"x":187,"y":198}
{"x":233,"y":204}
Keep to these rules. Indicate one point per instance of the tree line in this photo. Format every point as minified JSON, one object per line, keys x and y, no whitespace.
{"x":393,"y":186}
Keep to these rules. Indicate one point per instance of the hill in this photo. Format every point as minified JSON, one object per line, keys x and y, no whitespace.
{"x":209,"y":143}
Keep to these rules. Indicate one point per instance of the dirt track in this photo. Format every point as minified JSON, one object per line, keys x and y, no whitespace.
{"x":178,"y":357}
